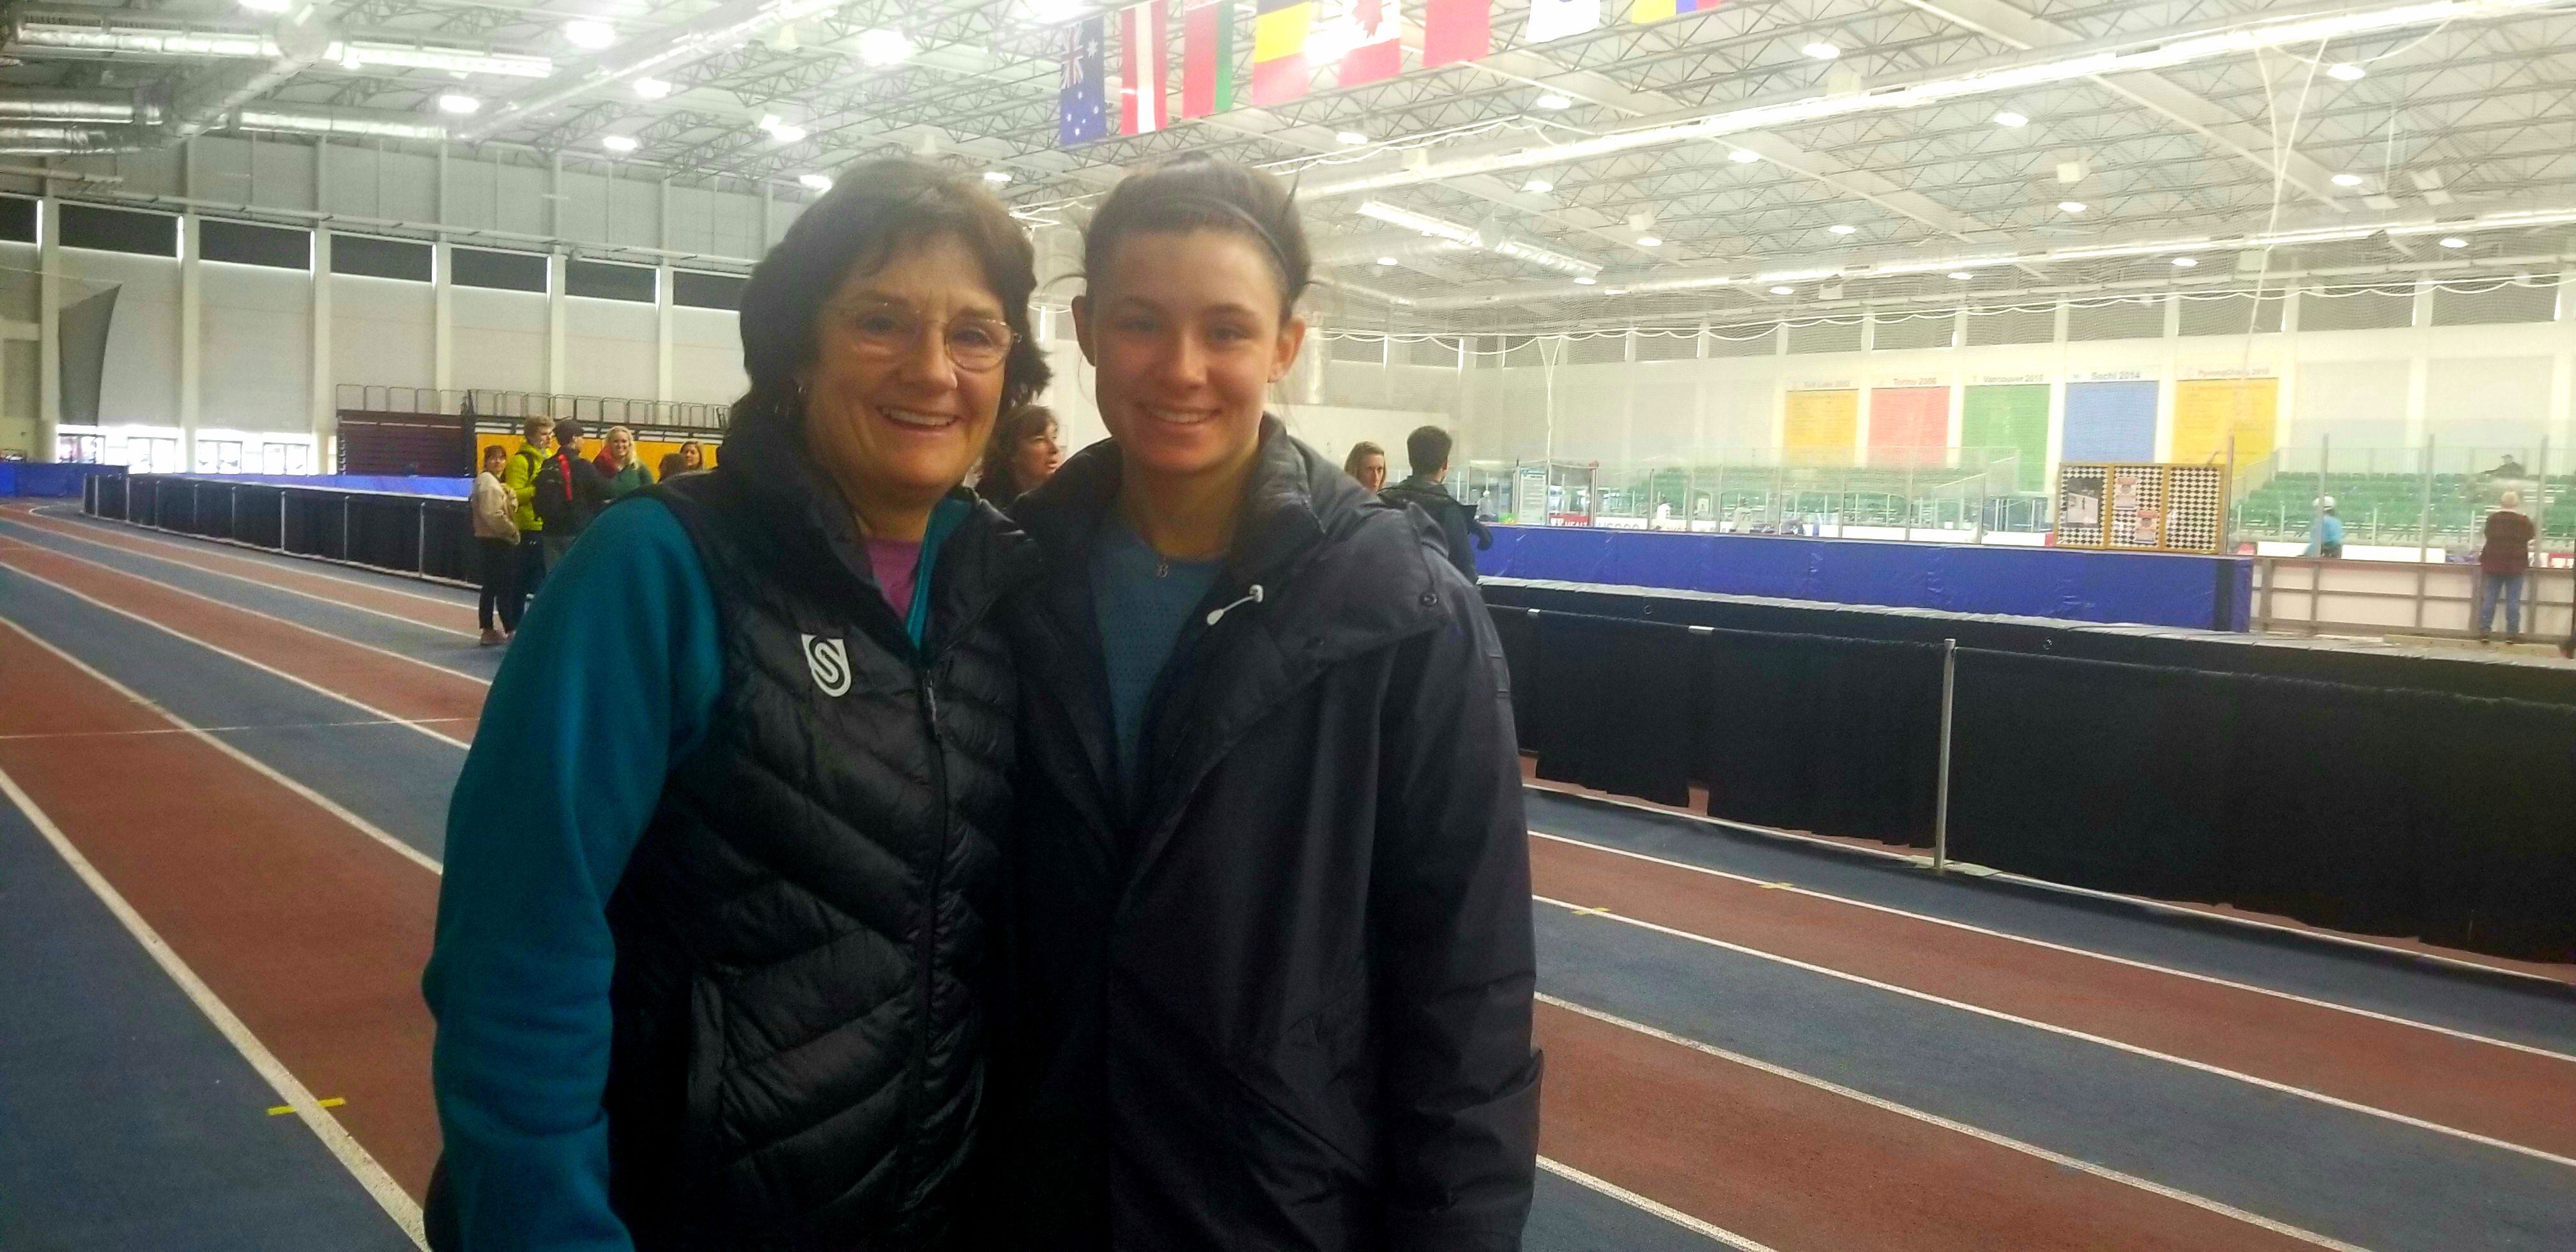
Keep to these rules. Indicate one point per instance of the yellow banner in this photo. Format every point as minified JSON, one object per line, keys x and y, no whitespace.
{"x":1281,"y":32}
{"x":648,"y":451}
{"x":1822,"y":421}
{"x":2208,"y":410}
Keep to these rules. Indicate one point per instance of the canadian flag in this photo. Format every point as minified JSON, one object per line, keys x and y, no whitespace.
{"x":1377,"y":50}
{"x":1144,"y":70}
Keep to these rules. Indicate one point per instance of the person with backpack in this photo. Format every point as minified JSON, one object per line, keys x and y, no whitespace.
{"x":570,"y":492}
{"x":1428,"y":451}
{"x":520,"y":475}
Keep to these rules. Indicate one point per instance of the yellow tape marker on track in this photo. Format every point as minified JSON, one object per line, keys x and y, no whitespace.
{"x":284,"y":1109}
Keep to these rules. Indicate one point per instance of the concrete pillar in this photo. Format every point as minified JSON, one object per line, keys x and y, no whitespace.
{"x":326,"y":413}
{"x":442,"y":317}
{"x":554,"y":322}
{"x":662,"y":332}
{"x":49,"y":326}
{"x":192,"y":299}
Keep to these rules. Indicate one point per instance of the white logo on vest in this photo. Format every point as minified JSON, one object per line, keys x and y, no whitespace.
{"x":830,"y":661}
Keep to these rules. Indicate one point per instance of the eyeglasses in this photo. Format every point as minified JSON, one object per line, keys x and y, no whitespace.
{"x":974,"y":344}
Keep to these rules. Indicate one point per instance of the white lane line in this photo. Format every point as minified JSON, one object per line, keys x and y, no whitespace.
{"x":22,"y":545}
{"x":261,"y":583}
{"x":2070,"y":1033}
{"x":1659,"y":1209}
{"x":361,"y":1164}
{"x":286,"y":562}
{"x":1972,"y":928}
{"x":2059,"y":1159}
{"x":421,"y":725}
{"x":212,"y":730}
{"x":180,"y":725}
{"x":2144,"y":902}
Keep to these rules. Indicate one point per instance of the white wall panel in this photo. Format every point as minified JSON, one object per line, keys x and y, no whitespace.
{"x":2490,"y":402}
{"x":257,"y":329}
{"x":2361,"y":404}
{"x":634,"y":213}
{"x":609,"y":348}
{"x":141,"y":382}
{"x":500,"y":339}
{"x":706,"y":357}
{"x":381,"y":332}
{"x":282,"y":172}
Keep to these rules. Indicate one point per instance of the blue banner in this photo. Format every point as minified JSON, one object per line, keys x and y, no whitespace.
{"x":1082,"y":113}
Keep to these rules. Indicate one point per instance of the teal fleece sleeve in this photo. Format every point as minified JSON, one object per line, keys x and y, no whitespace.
{"x":613,"y":677}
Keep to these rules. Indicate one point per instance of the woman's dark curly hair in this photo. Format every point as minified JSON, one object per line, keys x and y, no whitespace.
{"x":872,"y":210}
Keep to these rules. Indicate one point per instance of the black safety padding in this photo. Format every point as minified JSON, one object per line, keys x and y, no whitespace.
{"x":1834,"y":736}
{"x":1518,"y":630}
{"x":1617,"y":699}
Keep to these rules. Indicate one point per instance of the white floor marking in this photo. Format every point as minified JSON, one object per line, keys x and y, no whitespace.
{"x":212,"y":730}
{"x":1934,"y":1119}
{"x":263,"y":584}
{"x":421,"y":725}
{"x":380,"y":1185}
{"x":1972,"y":928}
{"x":180,"y":725}
{"x":2070,"y":1033}
{"x":2161,"y":906}
{"x":1659,"y":1209}
{"x":187,"y":543}
{"x":16,"y":545}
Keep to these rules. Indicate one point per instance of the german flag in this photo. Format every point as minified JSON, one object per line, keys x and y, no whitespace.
{"x":1279,"y":71}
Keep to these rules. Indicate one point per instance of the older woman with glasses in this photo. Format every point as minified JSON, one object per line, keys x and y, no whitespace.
{"x":710,"y":959}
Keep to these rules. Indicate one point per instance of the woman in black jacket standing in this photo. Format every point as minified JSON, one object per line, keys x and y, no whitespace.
{"x":1273,"y":954}
{"x":711,"y":966}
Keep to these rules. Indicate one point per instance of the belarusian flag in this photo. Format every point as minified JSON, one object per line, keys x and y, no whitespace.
{"x":1378,"y":51}
{"x":1279,"y":71}
{"x":1207,"y":59}
{"x":1456,"y":30}
{"x":1144,"y":72}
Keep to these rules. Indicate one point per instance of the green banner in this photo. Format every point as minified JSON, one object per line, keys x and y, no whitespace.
{"x":2009,"y":415}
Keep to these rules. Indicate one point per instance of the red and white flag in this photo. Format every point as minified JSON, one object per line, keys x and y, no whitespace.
{"x":1376,"y":53}
{"x":1144,"y":68}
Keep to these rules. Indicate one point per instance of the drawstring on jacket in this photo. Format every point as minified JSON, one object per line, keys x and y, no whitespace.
{"x":1250,"y":596}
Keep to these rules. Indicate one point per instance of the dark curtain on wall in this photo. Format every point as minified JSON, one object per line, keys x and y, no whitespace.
{"x":1518,"y":630}
{"x":83,"y":342}
{"x":1618,"y":700}
{"x":1835,"y":736}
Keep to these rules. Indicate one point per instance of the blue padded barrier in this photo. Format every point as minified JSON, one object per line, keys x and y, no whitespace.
{"x":29,"y":478}
{"x":2199,"y":592}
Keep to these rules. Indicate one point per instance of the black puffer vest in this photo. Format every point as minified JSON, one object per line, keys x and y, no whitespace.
{"x":801,"y":934}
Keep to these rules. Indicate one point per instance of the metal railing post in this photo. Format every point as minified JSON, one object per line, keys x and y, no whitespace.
{"x":1941,"y":793}
{"x":420,"y":541}
{"x":344,"y":528}
{"x":281,"y":519}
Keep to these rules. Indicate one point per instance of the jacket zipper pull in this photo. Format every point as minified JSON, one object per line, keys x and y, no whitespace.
{"x":1251,"y":595}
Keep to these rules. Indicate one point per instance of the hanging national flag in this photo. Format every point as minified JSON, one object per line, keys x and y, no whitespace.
{"x":1207,"y":59}
{"x":1377,"y":50}
{"x":1279,"y":50}
{"x":1456,"y":30}
{"x":1144,"y":71}
{"x":1657,"y":10}
{"x":1556,"y":19}
{"x":1081,"y":112}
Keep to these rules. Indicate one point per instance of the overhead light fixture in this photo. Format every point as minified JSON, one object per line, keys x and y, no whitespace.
{"x":2184,"y":262}
{"x":618,"y":143}
{"x":1351,"y":138}
{"x":652,"y":88}
{"x":997,"y":177}
{"x":2010,"y":120}
{"x":1650,"y":241}
{"x":1386,"y":260}
{"x":1584,"y":281}
{"x":814,"y":182}
{"x":1784,"y":291}
{"x":881,"y":47}
{"x":1744,"y":156}
{"x":785,"y":133}
{"x":1537,"y":187}
{"x":771,"y":121}
{"x":1842,"y":228}
{"x":1543,"y":257}
{"x":582,"y":32}
{"x":268,"y":6}
{"x":1961,"y":275}
{"x":458,"y":104}
{"x":2346,"y":72}
{"x":1419,"y":223}
{"x":2070,"y":206}
{"x":2347,"y":180}
{"x":1552,"y":101}
{"x":1821,"y":50}
{"x":2454,"y":241}
{"x":359,"y":54}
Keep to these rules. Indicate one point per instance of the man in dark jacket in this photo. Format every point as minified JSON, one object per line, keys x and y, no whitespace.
{"x":570,"y":492}
{"x":1280,"y":997}
{"x":1428,"y":450}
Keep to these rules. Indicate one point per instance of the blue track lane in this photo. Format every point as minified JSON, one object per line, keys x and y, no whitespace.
{"x":2501,"y":1006}
{"x":126,"y":1120}
{"x":2360,"y":1178}
{"x":393,"y":776}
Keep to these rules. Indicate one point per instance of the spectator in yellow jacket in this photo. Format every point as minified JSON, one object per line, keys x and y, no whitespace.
{"x":520,"y":476}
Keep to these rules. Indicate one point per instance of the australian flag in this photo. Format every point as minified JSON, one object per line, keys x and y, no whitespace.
{"x":1082,"y":110}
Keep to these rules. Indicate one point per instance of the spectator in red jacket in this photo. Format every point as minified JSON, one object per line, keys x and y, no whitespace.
{"x":2501,"y":566}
